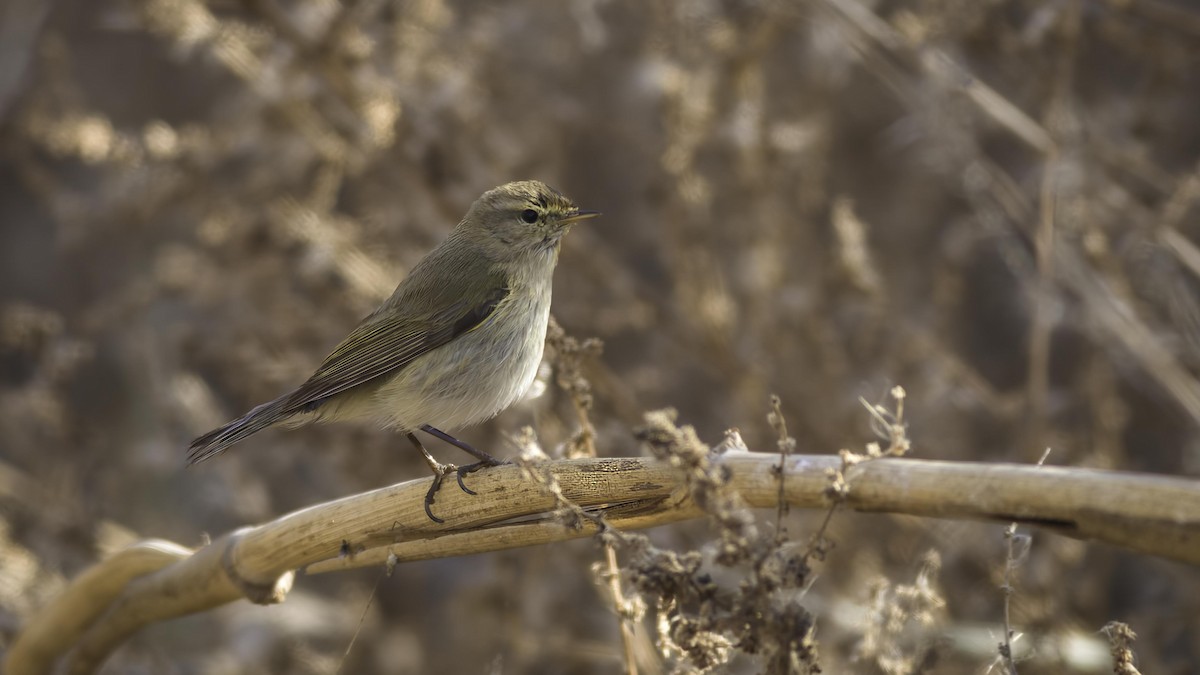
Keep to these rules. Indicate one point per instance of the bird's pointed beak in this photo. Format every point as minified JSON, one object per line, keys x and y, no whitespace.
{"x":578,"y":216}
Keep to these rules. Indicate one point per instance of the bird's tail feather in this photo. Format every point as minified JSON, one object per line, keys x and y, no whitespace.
{"x":216,"y":441}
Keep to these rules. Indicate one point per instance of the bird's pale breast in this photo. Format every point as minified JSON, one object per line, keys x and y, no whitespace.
{"x":476,"y":375}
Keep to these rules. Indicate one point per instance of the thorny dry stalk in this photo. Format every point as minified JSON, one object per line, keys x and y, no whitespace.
{"x":569,"y":355}
{"x":627,"y":613}
{"x":573,"y":516}
{"x":895,"y":638}
{"x":1017,"y":548}
{"x":704,"y":645}
{"x":787,"y":445}
{"x":1016,"y":552}
{"x":901,"y":620}
{"x":894,"y":609}
{"x":705,"y":623}
{"x":698,"y":619}
{"x":704,"y":642}
{"x":886,"y":424}
{"x":1120,"y":639}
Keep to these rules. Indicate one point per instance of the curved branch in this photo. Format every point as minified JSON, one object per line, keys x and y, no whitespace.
{"x":155,"y":581}
{"x":61,"y":623}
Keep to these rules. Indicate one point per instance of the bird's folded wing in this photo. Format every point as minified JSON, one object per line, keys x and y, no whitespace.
{"x":389,"y":340}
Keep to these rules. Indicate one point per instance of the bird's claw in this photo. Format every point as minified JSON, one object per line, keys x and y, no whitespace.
{"x":472,"y":468}
{"x":441,"y":470}
{"x":439,"y":475}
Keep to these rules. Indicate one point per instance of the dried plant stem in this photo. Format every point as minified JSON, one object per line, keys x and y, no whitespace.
{"x":1017,"y":547}
{"x":613,"y":572}
{"x":1039,"y":335}
{"x":787,"y":445}
{"x":1010,"y":564}
{"x":1151,"y":514}
{"x":1059,"y":123}
{"x":1120,"y":641}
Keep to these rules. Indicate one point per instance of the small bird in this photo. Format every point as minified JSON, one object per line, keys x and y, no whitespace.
{"x":458,"y":341}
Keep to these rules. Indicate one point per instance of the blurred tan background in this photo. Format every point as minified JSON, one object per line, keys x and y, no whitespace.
{"x":992,"y":204}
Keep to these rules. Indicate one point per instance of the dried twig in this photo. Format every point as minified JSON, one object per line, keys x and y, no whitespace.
{"x":1120,"y":639}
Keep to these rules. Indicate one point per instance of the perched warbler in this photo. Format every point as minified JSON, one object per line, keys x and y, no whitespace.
{"x":458,"y":341}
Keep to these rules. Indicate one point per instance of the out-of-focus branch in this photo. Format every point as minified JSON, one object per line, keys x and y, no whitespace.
{"x":20,"y":26}
{"x":89,"y":595}
{"x":1111,"y":312}
{"x":155,"y":580}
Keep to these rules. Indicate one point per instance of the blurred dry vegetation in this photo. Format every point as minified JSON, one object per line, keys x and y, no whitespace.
{"x":992,"y":203}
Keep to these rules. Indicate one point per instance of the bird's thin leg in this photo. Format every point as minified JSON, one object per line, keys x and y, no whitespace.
{"x":439,"y":474}
{"x":485,"y":460}
{"x":461,"y":445}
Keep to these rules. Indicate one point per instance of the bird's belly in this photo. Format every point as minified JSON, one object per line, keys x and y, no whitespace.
{"x":473,"y":377}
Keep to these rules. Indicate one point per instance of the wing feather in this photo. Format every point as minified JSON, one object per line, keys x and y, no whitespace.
{"x":386,"y":342}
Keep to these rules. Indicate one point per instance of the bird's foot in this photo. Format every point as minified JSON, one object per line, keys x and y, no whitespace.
{"x":472,"y":468}
{"x":440,"y":471}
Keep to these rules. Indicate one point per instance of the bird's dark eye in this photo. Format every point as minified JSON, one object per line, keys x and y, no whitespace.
{"x":529,"y":215}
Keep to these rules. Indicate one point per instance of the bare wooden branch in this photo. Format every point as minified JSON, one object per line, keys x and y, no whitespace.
{"x":89,"y":595}
{"x":156,"y":580}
